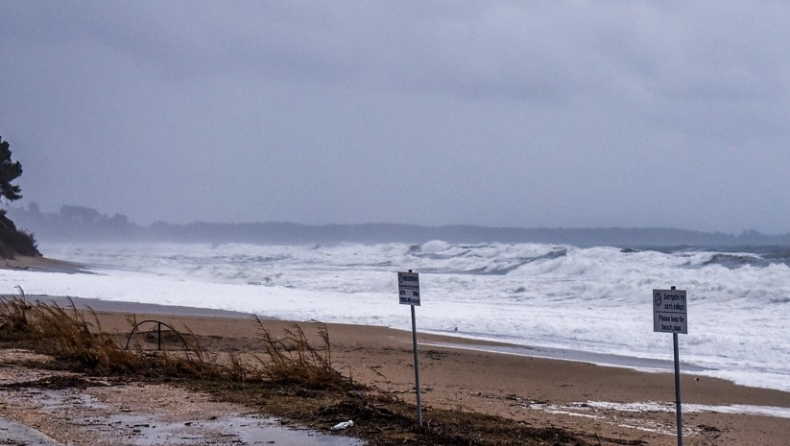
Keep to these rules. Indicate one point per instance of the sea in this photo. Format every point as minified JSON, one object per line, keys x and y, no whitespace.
{"x":576,"y":303}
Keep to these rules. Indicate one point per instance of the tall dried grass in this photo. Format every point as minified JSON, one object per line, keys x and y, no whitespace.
{"x":292,"y":359}
{"x":76,"y":338}
{"x":65,"y":333}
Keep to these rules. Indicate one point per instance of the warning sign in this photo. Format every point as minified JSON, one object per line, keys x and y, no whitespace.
{"x":409,"y":288}
{"x":669,"y":311}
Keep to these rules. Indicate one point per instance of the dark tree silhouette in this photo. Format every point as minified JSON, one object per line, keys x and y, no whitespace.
{"x":12,"y":240}
{"x":9,"y":171}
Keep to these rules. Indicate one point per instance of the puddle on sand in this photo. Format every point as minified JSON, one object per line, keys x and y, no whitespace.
{"x":12,"y":432}
{"x":147,"y":431}
{"x":231,"y":430}
{"x":108,"y":422}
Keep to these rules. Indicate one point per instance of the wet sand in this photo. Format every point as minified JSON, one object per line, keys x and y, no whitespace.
{"x":42,"y":264}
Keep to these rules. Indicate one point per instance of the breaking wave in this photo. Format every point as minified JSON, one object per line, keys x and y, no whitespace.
{"x":595,"y":299}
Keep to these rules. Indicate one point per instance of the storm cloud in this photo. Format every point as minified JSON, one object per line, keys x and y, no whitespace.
{"x":498,"y":113}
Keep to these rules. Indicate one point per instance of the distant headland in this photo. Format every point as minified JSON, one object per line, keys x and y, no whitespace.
{"x":76,"y":223}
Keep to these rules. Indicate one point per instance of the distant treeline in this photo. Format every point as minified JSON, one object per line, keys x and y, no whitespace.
{"x":77,"y":223}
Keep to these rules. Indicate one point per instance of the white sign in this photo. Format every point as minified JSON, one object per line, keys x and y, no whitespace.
{"x":669,"y":311}
{"x":409,"y":288}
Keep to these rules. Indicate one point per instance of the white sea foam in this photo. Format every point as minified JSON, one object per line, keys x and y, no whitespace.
{"x":591,"y":299}
{"x":652,"y":406}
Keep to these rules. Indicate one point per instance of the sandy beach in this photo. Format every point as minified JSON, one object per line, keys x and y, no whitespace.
{"x":614,"y":403}
{"x":622,"y":405}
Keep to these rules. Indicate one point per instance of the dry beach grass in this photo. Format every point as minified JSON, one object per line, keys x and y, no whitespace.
{"x":319,"y":374}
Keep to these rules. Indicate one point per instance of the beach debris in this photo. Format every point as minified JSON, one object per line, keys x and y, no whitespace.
{"x":343,"y":425}
{"x":356,"y":393}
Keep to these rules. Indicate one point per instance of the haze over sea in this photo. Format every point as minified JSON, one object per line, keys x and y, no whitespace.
{"x":584,"y":299}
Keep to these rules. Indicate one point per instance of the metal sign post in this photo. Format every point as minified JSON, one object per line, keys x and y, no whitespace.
{"x":409,"y":294}
{"x":677,"y":390}
{"x":669,"y":316}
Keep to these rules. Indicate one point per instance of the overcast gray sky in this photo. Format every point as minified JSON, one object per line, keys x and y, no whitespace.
{"x":498,"y":113}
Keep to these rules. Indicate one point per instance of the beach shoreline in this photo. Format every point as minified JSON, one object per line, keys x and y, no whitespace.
{"x":467,"y":375}
{"x":44,"y":264}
